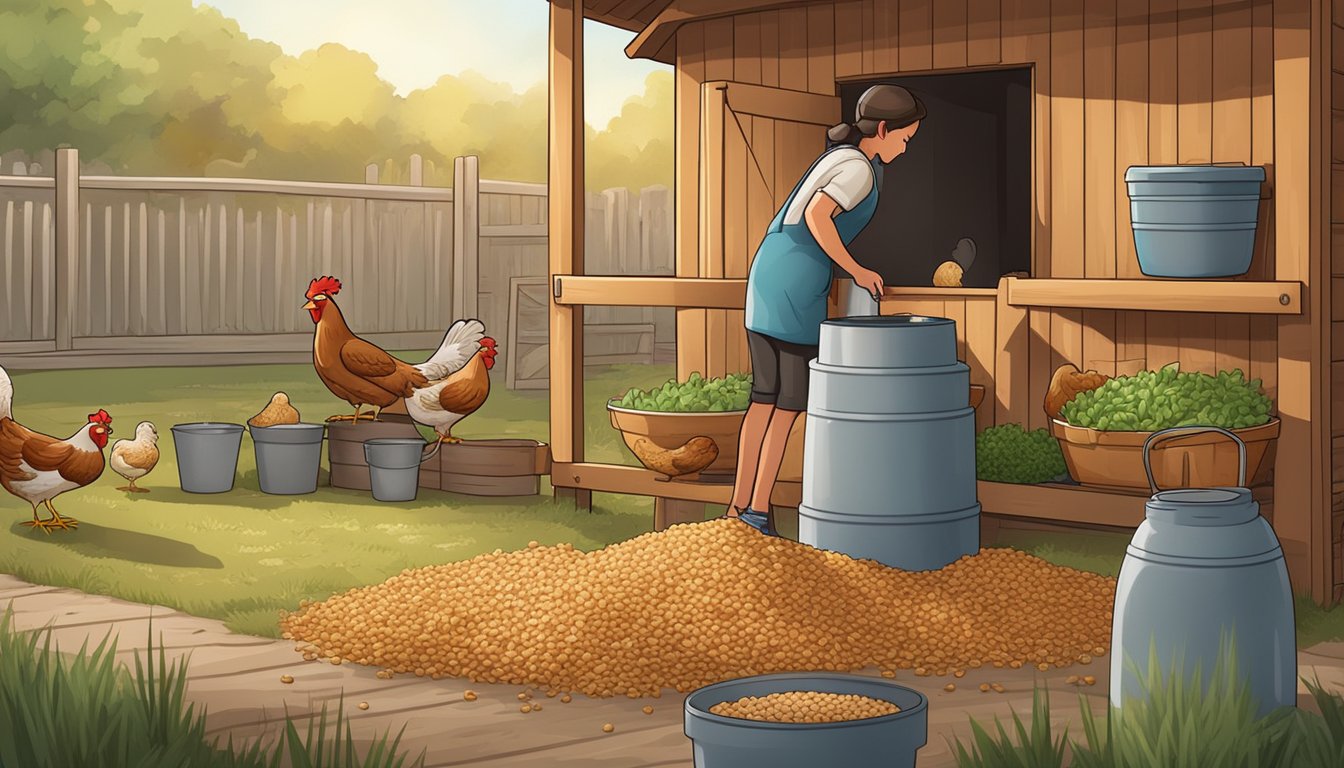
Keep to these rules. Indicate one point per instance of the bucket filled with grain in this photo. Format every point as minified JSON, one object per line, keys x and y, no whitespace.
{"x":668,"y":610}
{"x":806,"y":720}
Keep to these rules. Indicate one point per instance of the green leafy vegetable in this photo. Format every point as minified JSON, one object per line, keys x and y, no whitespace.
{"x":695,"y":395}
{"x":1009,"y":454}
{"x":1153,"y":400}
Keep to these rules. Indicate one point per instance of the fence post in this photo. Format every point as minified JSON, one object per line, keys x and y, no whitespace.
{"x":466,"y":235}
{"x":67,"y":244}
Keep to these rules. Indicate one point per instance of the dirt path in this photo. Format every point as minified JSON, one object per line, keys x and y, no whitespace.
{"x":237,"y":678}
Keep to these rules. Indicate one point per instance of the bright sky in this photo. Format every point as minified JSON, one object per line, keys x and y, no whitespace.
{"x":415,"y":42}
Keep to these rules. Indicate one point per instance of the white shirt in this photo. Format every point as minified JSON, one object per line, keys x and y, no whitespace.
{"x":845,"y":175}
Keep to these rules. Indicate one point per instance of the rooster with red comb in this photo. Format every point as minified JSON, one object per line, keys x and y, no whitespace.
{"x":362,"y":373}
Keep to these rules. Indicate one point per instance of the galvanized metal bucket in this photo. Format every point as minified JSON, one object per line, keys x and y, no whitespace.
{"x":1204,"y":568}
{"x":394,"y":466}
{"x":889,"y":460}
{"x":207,"y":455}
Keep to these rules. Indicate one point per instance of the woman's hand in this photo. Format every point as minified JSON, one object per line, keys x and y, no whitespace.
{"x":868,"y":280}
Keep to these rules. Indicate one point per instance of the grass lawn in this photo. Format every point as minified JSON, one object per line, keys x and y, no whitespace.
{"x":243,"y":556}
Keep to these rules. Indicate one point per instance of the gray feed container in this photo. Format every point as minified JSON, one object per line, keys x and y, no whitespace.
{"x":394,"y":467}
{"x":207,"y":455}
{"x":889,"y":460}
{"x":289,"y":457}
{"x":1194,"y":221}
{"x":891,"y":741}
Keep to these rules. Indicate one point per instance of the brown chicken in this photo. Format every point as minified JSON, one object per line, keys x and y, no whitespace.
{"x":37,"y":468}
{"x":460,"y":379}
{"x":354,"y":370}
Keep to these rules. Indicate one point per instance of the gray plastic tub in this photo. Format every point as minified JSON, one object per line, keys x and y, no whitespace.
{"x":1194,"y":220}
{"x":207,"y":455}
{"x":289,"y":457}
{"x":394,"y":466}
{"x":891,"y":741}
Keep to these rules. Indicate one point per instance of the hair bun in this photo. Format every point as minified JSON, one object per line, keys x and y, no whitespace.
{"x":844,"y":133}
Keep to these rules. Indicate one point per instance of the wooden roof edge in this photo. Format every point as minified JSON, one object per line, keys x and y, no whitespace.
{"x":657,"y":39}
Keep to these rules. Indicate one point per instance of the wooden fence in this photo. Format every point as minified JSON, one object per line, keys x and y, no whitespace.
{"x":128,"y":271}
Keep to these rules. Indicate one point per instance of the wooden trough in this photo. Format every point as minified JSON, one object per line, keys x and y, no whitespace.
{"x":502,"y":467}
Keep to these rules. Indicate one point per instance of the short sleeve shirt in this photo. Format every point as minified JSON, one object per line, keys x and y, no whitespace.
{"x":845,"y":175}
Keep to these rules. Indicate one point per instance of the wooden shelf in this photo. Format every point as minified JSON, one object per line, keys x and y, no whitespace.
{"x":1223,"y":296}
{"x":615,"y":478}
{"x":1057,"y":502}
{"x":897,"y":292}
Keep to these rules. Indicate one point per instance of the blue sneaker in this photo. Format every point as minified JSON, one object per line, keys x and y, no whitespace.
{"x":758,"y":520}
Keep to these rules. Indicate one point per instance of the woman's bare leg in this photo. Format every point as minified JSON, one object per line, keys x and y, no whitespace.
{"x":749,"y":441}
{"x":772,"y":455}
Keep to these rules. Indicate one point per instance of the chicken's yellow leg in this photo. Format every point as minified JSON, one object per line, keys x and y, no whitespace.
{"x":36,"y":522}
{"x":56,"y":521}
{"x":447,"y":437}
{"x":351,"y":419}
{"x":137,"y":489}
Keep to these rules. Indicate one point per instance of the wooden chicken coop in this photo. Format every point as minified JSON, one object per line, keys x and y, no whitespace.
{"x":1075,"y":92}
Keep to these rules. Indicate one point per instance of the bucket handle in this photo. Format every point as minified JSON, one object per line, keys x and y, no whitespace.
{"x":1241,"y":451}
{"x":427,"y":456}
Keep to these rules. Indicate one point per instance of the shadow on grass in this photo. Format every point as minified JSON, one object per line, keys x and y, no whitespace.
{"x":96,"y":541}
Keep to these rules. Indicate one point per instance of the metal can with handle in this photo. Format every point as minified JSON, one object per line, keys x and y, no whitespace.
{"x":1204,"y":574}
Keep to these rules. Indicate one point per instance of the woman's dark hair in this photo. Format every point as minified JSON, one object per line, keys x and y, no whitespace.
{"x":892,"y":104}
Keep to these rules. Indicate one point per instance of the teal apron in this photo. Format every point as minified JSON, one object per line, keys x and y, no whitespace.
{"x":790,"y":277}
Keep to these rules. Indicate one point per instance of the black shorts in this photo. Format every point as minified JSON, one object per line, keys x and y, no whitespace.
{"x":779,"y":371}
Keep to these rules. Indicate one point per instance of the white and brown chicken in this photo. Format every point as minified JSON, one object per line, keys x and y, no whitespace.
{"x":135,"y":458}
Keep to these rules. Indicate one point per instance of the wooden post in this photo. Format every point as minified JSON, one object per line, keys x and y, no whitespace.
{"x":466,"y":235}
{"x":670,"y":512}
{"x":565,"y":234}
{"x":1302,"y":468}
{"x":67,"y":244}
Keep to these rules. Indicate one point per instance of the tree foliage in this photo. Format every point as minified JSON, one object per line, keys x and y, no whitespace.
{"x":159,"y":87}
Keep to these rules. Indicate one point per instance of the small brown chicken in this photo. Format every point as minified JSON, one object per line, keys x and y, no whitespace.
{"x":133,"y":459}
{"x":694,"y":455}
{"x":277,"y":411}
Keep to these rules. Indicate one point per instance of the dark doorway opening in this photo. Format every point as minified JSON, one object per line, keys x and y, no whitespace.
{"x":965,"y":174}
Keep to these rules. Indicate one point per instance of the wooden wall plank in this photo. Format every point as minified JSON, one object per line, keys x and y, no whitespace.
{"x":1262,"y":131}
{"x":982,"y":32}
{"x":981,"y":353}
{"x":1041,"y":362}
{"x":793,"y":50}
{"x":747,"y":48}
{"x":1194,"y":81}
{"x":1100,"y":331}
{"x":1131,"y":123}
{"x":886,"y":37}
{"x":770,"y":48}
{"x":1011,"y":368}
{"x":736,"y":161}
{"x":821,"y":49}
{"x":1131,"y":344}
{"x":1099,"y":140}
{"x":869,"y":35}
{"x":690,"y":71}
{"x":848,"y":38}
{"x":719,"y":65}
{"x":949,"y":35}
{"x":916,"y":35}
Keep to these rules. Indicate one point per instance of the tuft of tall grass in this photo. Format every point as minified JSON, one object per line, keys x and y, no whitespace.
{"x":88,"y":709}
{"x":1179,"y":721}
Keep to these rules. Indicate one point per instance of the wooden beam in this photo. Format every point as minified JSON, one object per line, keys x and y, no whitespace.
{"x":779,"y":103}
{"x":679,"y":292}
{"x":566,"y":237}
{"x":1063,"y":503}
{"x":637,"y":481}
{"x":655,"y":38}
{"x":1302,"y":466}
{"x":1283,"y":297}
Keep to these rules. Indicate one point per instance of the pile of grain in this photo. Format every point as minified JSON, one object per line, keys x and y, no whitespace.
{"x":697,"y":604}
{"x":805,"y":707}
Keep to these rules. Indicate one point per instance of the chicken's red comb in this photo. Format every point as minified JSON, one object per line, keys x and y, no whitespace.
{"x":101,"y":417}
{"x":486,"y":341}
{"x":325,"y":284}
